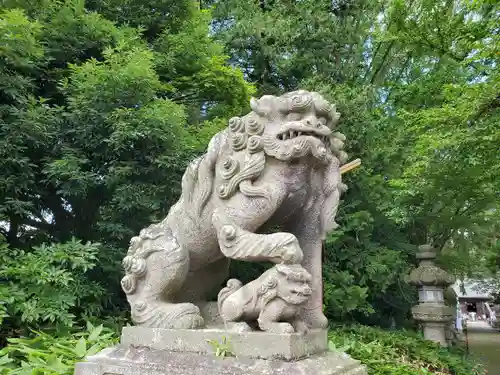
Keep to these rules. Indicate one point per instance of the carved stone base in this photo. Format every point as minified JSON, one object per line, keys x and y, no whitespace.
{"x":145,"y":361}
{"x":261,"y":345}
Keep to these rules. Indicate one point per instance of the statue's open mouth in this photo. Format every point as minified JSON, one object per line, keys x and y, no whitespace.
{"x":291,"y":134}
{"x":295,"y":140}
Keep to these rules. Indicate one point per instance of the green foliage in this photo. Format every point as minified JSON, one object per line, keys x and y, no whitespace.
{"x":363,"y":279}
{"x":100,"y":105}
{"x":196,"y":68}
{"x":445,"y":138}
{"x":20,"y":52}
{"x":417,"y":86}
{"x":151,"y":16}
{"x":20,"y":44}
{"x":47,"y":354}
{"x":367,"y":257}
{"x":48,"y":285}
{"x":400,"y":353}
{"x":222,"y":348}
{"x":103,"y":102}
{"x":453,"y":145}
{"x":104,"y":120}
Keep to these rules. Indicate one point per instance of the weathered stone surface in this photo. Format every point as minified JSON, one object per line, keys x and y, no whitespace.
{"x":431,"y":311}
{"x":210,"y":313}
{"x":145,"y":361}
{"x":276,"y":167}
{"x":263,"y":345}
{"x":274,"y":300}
{"x":427,"y":273}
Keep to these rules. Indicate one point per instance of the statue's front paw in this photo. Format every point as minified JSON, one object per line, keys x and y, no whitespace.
{"x":238,"y":327}
{"x":292,"y":254}
{"x":277,"y":327}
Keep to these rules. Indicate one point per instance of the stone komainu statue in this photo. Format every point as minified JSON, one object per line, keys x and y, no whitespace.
{"x":278,"y":166}
{"x":274,"y":300}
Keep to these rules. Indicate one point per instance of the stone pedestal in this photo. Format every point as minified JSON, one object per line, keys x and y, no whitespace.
{"x":145,"y":351}
{"x":145,"y":361}
{"x":261,"y":345}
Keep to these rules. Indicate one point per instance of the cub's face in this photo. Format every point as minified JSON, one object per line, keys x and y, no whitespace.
{"x":294,"y":292}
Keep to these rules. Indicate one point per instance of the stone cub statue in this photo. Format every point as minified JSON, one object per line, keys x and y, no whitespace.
{"x":274,"y":300}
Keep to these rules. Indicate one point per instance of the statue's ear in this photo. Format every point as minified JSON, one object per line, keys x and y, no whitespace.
{"x":267,"y":291}
{"x":254,"y":104}
{"x":268,"y":283}
{"x":267,"y":106}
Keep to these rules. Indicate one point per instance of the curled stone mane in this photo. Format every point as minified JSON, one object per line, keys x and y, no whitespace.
{"x":237,"y":155}
{"x":198,"y":180}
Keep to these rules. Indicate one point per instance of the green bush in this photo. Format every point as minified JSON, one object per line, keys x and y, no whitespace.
{"x":400,"y":353}
{"x":383,"y":352}
{"x":48,"y":284}
{"x":47,"y":354}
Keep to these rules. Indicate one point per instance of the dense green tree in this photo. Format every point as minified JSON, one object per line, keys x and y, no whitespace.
{"x":99,"y":114}
{"x":95,"y":120}
{"x":416,"y":83}
{"x":327,"y":46}
{"x":103,"y":102}
{"x":446,"y":135}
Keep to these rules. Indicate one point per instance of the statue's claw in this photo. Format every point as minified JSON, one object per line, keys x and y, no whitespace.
{"x":292,"y":254}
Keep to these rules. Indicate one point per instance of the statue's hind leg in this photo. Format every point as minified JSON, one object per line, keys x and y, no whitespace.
{"x":156,"y":267}
{"x":203,"y":284}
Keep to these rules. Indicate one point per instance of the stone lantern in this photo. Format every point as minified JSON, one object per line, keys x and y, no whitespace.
{"x":431,"y":312}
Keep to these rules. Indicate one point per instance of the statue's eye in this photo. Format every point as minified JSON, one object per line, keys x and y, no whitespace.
{"x":294,"y":116}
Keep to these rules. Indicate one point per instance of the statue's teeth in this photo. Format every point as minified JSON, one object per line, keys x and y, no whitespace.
{"x":284,"y":136}
{"x":299,"y":134}
{"x":292,"y":134}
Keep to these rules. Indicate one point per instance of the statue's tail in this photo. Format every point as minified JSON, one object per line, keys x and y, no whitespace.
{"x":232,"y":286}
{"x":198,"y":180}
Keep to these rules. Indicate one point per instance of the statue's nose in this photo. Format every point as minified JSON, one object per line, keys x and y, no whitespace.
{"x":307,"y":291}
{"x":312,"y":122}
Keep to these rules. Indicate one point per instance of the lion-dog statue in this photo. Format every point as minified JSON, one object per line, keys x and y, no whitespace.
{"x":276,"y":167}
{"x":274,"y":300}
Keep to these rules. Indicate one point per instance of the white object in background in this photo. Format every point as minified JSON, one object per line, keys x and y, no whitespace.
{"x":458,"y":322}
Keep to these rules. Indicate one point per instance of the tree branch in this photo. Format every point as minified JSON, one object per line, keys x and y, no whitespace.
{"x":12,"y":238}
{"x":386,"y":54}
{"x":401,"y":71}
{"x":38,"y":225}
